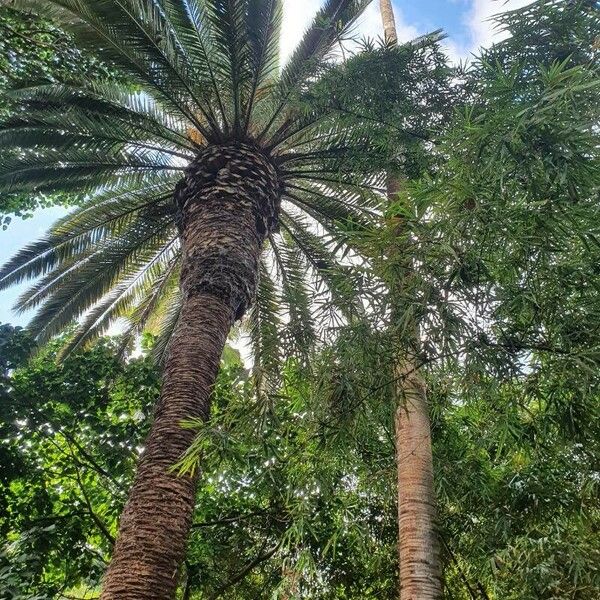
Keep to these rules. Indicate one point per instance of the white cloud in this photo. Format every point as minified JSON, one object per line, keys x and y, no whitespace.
{"x":481,"y":31}
{"x":478,"y":19}
{"x":297,"y":16}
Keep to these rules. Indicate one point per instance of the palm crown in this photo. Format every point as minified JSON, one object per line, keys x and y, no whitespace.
{"x":197,"y":73}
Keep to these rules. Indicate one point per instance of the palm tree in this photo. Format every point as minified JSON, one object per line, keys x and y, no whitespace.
{"x":418,"y":545}
{"x":204,"y":156}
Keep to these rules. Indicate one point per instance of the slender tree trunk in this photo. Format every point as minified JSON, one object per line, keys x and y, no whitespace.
{"x":418,"y":544}
{"x":389,"y":24}
{"x":227,"y":203}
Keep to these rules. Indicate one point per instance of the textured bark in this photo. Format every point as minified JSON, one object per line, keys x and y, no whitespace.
{"x":389,"y":24}
{"x":418,"y":543}
{"x":227,"y":203}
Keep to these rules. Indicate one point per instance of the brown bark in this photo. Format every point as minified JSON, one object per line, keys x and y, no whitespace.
{"x":389,"y":25}
{"x":418,"y":544}
{"x":227,"y":203}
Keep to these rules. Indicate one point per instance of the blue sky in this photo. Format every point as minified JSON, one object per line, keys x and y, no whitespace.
{"x":465,"y":22}
{"x":19,"y":233}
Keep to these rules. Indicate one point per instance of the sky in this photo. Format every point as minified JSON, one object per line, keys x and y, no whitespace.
{"x":466,"y":22}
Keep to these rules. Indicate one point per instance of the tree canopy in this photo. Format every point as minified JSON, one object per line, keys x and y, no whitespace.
{"x":498,"y":207}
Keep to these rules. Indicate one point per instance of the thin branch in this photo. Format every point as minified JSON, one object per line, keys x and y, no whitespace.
{"x":472,"y":593}
{"x":29,"y":40}
{"x":227,"y":520}
{"x":99,"y":523}
{"x":260,"y":557}
{"x":91,"y":461}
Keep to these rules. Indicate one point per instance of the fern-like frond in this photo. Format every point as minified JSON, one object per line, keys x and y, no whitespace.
{"x":145,"y":116}
{"x":107,"y":213}
{"x":154,"y":302}
{"x":263,"y":23}
{"x":194,"y":35}
{"x":298,"y":328}
{"x":70,"y":289}
{"x":124,"y":297}
{"x":330,"y":24}
{"x":78,"y":169}
{"x":336,"y":283}
{"x":263,"y":324}
{"x":189,"y":74}
{"x":165,"y":320}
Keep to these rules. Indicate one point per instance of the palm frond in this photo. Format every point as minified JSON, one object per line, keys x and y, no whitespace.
{"x":230,"y":37}
{"x":78,"y":169}
{"x":190,"y":74}
{"x":298,"y":333}
{"x":329,"y":25}
{"x":153,"y":303}
{"x":71,"y":288}
{"x":165,"y":320}
{"x":336,"y":283}
{"x":189,"y":20}
{"x":263,"y":324}
{"x":263,"y":23}
{"x":107,"y":213}
{"x":123,"y":297}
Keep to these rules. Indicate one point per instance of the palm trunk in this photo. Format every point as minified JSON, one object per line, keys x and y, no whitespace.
{"x":389,"y":24}
{"x":418,"y":544}
{"x":227,"y":203}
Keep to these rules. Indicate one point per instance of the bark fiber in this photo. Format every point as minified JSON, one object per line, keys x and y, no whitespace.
{"x":227,"y":203}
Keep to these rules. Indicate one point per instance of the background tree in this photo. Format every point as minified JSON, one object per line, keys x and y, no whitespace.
{"x":507,"y":286}
{"x":509,"y":318}
{"x":419,"y":558}
{"x":71,"y":435}
{"x":299,"y":500}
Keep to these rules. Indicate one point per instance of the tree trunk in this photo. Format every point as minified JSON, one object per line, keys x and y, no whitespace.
{"x":227,"y":203}
{"x":389,"y":24}
{"x":418,"y":544}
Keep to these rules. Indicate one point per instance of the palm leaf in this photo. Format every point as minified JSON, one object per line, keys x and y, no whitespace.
{"x":196,"y":73}
{"x":263,"y":324}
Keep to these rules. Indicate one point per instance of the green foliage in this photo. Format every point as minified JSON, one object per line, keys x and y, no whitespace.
{"x":33,"y":50}
{"x":516,"y":479}
{"x":186,"y":74}
{"x":299,"y":499}
{"x":70,"y":438}
{"x":506,"y":229}
{"x":297,"y":495}
{"x":505,"y":291}
{"x":278,"y":497}
{"x":519,"y":490}
{"x":402,"y":94}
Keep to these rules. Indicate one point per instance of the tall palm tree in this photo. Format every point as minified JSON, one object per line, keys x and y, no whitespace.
{"x":205,"y":155}
{"x":418,"y":545}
